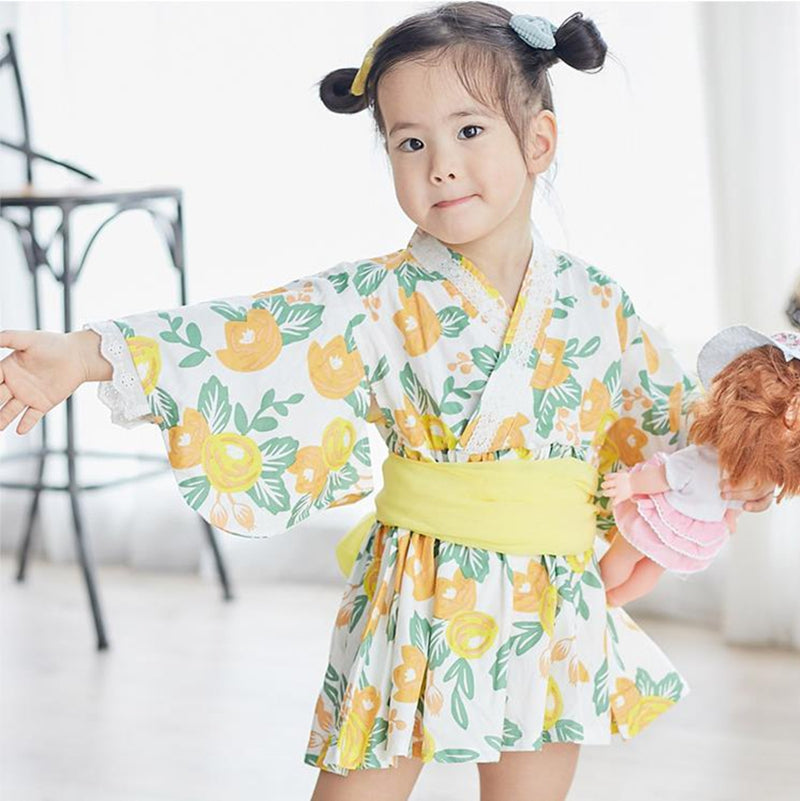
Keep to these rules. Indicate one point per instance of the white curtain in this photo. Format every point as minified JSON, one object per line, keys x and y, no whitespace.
{"x":675,"y":174}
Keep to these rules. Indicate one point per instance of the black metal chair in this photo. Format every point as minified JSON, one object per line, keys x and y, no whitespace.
{"x":19,"y":209}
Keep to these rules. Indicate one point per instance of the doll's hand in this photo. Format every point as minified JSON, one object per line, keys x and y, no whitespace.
{"x":618,"y":487}
{"x":759,"y":497}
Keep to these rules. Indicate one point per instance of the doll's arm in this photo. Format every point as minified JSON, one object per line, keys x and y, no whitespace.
{"x":731,"y":518}
{"x":647,"y":481}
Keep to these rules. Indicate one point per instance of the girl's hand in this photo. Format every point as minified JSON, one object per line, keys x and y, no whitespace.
{"x":759,"y":497}
{"x":618,"y":487}
{"x":44,"y":369}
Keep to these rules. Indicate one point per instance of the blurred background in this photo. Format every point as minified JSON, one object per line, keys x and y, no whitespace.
{"x":678,"y":173}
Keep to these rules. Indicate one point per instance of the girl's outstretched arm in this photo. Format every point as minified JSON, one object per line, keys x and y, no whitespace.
{"x":44,"y":369}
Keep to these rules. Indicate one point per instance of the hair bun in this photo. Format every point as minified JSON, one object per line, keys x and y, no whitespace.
{"x":579,"y":43}
{"x":334,"y":91}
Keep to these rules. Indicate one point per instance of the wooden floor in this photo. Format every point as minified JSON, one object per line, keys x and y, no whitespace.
{"x":199,"y":700}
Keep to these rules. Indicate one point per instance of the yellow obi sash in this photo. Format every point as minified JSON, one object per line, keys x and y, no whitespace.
{"x":511,"y":506}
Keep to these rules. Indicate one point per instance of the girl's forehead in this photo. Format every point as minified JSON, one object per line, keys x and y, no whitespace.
{"x":414,"y":91}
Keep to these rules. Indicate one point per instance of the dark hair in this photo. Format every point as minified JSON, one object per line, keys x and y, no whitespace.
{"x":491,"y":60}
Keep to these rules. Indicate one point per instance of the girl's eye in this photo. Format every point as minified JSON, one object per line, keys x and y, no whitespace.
{"x":471,"y":128}
{"x":402,"y":147}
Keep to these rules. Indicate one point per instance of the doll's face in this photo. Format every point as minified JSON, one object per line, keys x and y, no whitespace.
{"x":443,"y":145}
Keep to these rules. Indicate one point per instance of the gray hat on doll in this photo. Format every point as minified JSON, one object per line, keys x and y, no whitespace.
{"x":731,"y":342}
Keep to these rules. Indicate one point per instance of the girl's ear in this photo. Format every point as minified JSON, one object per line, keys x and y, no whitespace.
{"x":542,"y":140}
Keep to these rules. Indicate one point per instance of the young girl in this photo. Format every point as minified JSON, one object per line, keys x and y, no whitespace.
{"x":505,"y":378}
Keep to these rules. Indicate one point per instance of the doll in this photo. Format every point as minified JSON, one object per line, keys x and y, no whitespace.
{"x":668,"y":509}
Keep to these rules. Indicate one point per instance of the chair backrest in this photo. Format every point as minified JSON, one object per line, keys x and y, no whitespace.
{"x":9,"y":61}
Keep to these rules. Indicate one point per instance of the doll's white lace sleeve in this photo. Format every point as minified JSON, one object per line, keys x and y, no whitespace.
{"x":123,"y":394}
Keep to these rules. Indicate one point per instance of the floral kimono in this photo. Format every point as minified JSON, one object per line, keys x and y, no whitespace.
{"x":439,"y":650}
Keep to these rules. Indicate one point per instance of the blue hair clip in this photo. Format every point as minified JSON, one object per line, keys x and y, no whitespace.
{"x":534,"y":31}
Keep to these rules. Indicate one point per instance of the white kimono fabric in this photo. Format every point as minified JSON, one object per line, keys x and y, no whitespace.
{"x":439,"y":651}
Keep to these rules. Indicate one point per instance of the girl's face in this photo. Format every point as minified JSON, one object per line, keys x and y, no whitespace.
{"x":443,"y":146}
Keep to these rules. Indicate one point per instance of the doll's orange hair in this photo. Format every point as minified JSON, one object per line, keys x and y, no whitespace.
{"x":744,"y":416}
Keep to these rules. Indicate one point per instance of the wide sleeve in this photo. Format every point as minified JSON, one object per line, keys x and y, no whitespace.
{"x":651,"y":398}
{"x":261,"y":400}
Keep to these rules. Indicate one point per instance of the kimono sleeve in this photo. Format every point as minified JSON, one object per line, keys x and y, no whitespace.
{"x":651,"y":399}
{"x":261,"y":400}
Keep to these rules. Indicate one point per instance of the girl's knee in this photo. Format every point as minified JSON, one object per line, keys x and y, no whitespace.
{"x":369,"y":784}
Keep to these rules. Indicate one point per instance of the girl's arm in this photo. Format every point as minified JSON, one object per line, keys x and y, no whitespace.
{"x":44,"y":369}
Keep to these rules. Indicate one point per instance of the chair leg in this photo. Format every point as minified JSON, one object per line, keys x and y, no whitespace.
{"x":25,"y":544}
{"x":227,"y":595}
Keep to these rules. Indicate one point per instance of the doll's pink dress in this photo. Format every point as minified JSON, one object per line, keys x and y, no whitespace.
{"x":682,"y":529}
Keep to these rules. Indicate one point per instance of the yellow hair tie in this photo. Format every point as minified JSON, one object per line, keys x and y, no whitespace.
{"x":360,"y":81}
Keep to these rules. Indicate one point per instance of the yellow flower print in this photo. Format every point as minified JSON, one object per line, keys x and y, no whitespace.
{"x":454,"y":292}
{"x":554,"y":705}
{"x":310,"y":470}
{"x":409,"y":421}
{"x":334,"y":372}
{"x":627,"y":440}
{"x":577,"y":671}
{"x":595,"y":405}
{"x":407,"y":677}
{"x":393,"y":260}
{"x":186,"y":441}
{"x":354,"y":731}
{"x":420,"y":565}
{"x":579,"y":561}
{"x":533,"y":592}
{"x":433,"y":697}
{"x":231,"y":462}
{"x":650,"y":354}
{"x":338,"y":440}
{"x":438,"y":435}
{"x":635,"y":710}
{"x":422,"y":744}
{"x":550,"y":370}
{"x":471,"y":634}
{"x":508,"y":433}
{"x":147,"y":358}
{"x":622,"y":327}
{"x":674,"y":404}
{"x":454,"y":595}
{"x":252,"y":344}
{"x":418,"y":323}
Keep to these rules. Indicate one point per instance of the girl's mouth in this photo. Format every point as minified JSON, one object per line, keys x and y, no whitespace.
{"x":443,"y":204}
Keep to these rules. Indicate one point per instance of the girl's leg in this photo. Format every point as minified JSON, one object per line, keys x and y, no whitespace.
{"x":371,"y":784}
{"x":544,"y":775}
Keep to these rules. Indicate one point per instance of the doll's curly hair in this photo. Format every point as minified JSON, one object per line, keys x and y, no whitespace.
{"x":751,"y":415}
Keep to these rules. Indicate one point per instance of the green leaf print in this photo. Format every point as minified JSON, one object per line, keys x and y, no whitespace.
{"x":474,"y":562}
{"x":378,"y":735}
{"x":408,"y":273}
{"x":597,"y":277}
{"x":348,"y":333}
{"x":612,"y":629}
{"x":330,"y":686}
{"x":125,"y":329}
{"x":339,"y":281}
{"x":454,"y":755}
{"x":546,"y":403}
{"x":193,"y":339}
{"x":197,"y":489}
{"x":461,"y":671}
{"x":499,"y":670}
{"x":213,"y":404}
{"x":644,"y":683}
{"x":358,"y":400}
{"x":232,"y":313}
{"x":563,"y":263}
{"x":438,"y":650}
{"x":453,"y":321}
{"x":591,"y":580}
{"x":511,"y":732}
{"x":485,"y":359}
{"x":600,"y":693}
{"x":530,"y":634}
{"x":361,"y":451}
{"x":269,"y":492}
{"x":381,"y":370}
{"x":368,"y":277}
{"x":420,"y":632}
{"x":300,"y":511}
{"x":571,"y":351}
{"x":359,"y":605}
{"x":494,"y":741}
{"x":458,"y":709}
{"x":670,"y":686}
{"x":568,"y":731}
{"x":420,"y":398}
